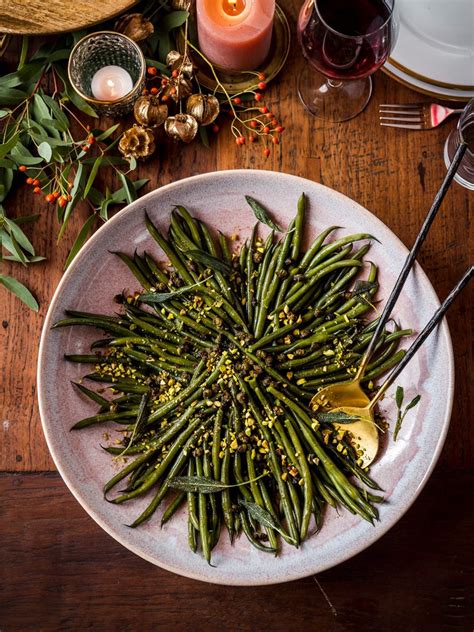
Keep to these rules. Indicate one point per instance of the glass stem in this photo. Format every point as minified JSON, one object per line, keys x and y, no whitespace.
{"x":334,"y":84}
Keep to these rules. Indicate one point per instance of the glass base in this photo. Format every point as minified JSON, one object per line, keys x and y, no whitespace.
{"x":330,"y":99}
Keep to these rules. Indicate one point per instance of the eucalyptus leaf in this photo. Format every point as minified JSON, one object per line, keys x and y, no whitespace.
{"x":20,"y":290}
{"x":93,"y":174}
{"x":80,"y":240}
{"x":130,"y":193}
{"x":12,"y":96}
{"x":261,"y":214}
{"x":262,"y":516}
{"x":6,"y":147}
{"x":45,"y":151}
{"x":28,"y":73}
{"x":102,"y":135}
{"x":209,"y":261}
{"x":20,"y":236}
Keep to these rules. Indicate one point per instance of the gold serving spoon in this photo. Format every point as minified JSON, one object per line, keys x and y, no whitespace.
{"x":348,"y":396}
{"x":364,"y":431}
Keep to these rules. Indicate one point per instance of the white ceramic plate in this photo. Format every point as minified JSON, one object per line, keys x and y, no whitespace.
{"x":96,"y":276}
{"x":436,"y":42}
{"x":437,"y":92}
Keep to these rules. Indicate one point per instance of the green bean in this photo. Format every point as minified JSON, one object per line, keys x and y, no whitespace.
{"x":173,"y":507}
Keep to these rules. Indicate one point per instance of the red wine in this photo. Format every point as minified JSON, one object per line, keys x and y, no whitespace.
{"x":346,"y":39}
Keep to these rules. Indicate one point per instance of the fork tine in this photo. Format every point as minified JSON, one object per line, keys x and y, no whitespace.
{"x":401,"y":105}
{"x":403,"y":126}
{"x":401,"y":119}
{"x":398,"y":112}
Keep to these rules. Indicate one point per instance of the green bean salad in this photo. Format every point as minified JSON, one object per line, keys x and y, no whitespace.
{"x":209,"y":370}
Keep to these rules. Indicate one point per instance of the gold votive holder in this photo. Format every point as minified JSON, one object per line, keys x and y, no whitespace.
{"x":106,"y":48}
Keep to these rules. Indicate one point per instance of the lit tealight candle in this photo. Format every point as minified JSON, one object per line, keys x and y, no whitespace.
{"x":111,"y":83}
{"x":235,"y":34}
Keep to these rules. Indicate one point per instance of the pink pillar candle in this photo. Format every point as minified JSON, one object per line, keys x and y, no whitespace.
{"x":235,"y":34}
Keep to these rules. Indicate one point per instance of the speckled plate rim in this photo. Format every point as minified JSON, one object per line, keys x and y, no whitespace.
{"x":75,"y":488}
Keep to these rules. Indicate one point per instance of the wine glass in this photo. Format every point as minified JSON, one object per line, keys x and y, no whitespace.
{"x":346,"y":41}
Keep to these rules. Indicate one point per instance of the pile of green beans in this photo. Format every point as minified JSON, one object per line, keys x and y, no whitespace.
{"x":211,"y":367}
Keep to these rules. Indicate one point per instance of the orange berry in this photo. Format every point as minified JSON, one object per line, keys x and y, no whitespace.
{"x":279,"y":129}
{"x":37,"y":190}
{"x":175,"y":74}
{"x":258,"y":96}
{"x":62,"y":202}
{"x":266,"y":129}
{"x":252,"y":138}
{"x":144,"y":92}
{"x":264,"y":110}
{"x":173,"y":90}
{"x":36,"y":182}
{"x":240,"y":140}
{"x":275,"y":140}
{"x":154,"y":90}
{"x":22,"y":168}
{"x":215,"y":129}
{"x":49,"y":198}
{"x":70,"y":185}
{"x":151,"y":70}
{"x":164,"y":81}
{"x":266,"y":152}
{"x":237,"y":100}
{"x":56,"y":194}
{"x":164,"y":98}
{"x":29,"y":180}
{"x":91,"y":139}
{"x":262,"y":85}
{"x":261,"y":76}
{"x":253,"y":124}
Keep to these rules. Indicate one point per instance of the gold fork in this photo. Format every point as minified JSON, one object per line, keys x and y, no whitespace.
{"x":414,"y":115}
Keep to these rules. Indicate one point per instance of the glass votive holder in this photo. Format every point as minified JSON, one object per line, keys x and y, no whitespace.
{"x":107,"y":49}
{"x":463,"y":132}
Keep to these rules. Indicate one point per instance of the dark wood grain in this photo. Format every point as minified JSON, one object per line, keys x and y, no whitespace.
{"x":60,"y":571}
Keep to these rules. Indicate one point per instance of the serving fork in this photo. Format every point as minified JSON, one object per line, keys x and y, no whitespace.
{"x":414,"y":115}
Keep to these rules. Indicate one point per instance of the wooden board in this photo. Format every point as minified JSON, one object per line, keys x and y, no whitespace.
{"x":56,"y":16}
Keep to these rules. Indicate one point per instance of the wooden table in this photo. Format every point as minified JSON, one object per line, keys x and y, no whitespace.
{"x":59,"y":570}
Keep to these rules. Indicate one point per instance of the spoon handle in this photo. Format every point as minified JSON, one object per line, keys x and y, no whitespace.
{"x":437,"y":316}
{"x":410,"y":260}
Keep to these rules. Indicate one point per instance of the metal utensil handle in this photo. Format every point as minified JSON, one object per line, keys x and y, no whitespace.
{"x":410,"y":260}
{"x":438,"y":315}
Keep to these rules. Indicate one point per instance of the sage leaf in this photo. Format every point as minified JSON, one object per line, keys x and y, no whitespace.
{"x":413,"y":403}
{"x":209,"y":261}
{"x":203,"y":484}
{"x":265,"y":518}
{"x":140,"y":422}
{"x":161,"y":297}
{"x":20,"y":290}
{"x":261,"y":214}
{"x":399,"y":394}
{"x":336,"y":417}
